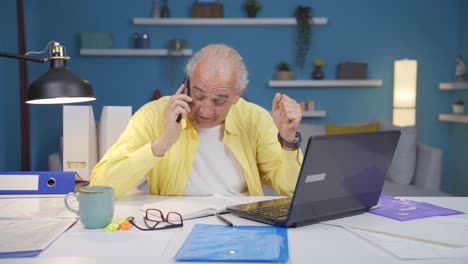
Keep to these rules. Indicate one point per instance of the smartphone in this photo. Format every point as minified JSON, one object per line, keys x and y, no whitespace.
{"x":186,"y":81}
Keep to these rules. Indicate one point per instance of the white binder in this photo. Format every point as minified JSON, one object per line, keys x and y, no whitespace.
{"x":79,"y":140}
{"x":114,"y":120}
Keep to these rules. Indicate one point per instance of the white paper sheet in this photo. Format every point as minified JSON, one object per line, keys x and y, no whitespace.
{"x":36,"y":208}
{"x":98,"y":243}
{"x":409,"y":249}
{"x":31,"y":235}
{"x":445,"y":230}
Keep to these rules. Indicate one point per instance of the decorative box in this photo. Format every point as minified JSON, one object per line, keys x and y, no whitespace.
{"x":207,"y":11}
{"x":206,"y":1}
{"x":352,"y":71}
{"x":96,"y":40}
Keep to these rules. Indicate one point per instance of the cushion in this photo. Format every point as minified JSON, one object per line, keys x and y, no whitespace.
{"x":344,"y":129}
{"x":428,"y":167}
{"x":403,"y":165}
{"x":395,"y":189}
{"x":308,"y":130}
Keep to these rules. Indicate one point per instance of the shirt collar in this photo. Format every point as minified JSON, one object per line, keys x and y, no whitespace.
{"x":231,"y":124}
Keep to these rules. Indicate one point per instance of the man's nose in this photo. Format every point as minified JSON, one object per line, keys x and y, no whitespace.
{"x":206,"y":109}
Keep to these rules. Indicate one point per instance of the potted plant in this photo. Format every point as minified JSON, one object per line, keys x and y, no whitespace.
{"x":252,"y":7}
{"x":317,"y":74}
{"x":458,"y":106}
{"x":176,"y":45}
{"x":284,"y":71}
{"x":304,"y":28}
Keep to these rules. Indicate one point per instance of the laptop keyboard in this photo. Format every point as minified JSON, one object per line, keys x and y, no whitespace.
{"x":278,"y":211}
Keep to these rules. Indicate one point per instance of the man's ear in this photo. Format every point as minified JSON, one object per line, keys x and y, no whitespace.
{"x":238,"y":95}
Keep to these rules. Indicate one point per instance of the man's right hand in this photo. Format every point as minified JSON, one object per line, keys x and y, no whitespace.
{"x":171,"y":129}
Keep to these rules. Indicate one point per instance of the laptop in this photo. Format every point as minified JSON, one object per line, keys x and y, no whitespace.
{"x":341,"y":175}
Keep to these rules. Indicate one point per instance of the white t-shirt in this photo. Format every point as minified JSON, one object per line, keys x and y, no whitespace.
{"x":215,"y":168}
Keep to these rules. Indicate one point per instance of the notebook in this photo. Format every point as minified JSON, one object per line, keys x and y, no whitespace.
{"x":341,"y":175}
{"x":190,"y":207}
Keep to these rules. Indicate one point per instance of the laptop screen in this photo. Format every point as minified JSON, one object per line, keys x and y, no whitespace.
{"x":342,"y":173}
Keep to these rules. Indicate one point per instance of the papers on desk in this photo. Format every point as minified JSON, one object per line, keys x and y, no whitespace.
{"x":30,"y":225}
{"x":409,"y":249}
{"x":235,"y":243}
{"x":424,"y":238}
{"x":444,"y":230}
{"x":80,"y":242}
{"x":20,"y":208}
{"x":27,"y":238}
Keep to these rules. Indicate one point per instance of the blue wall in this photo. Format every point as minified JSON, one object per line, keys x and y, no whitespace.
{"x":460,"y":131}
{"x":376,"y":32}
{"x":10,"y":154}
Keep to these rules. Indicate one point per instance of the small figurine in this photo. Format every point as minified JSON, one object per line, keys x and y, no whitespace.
{"x":460,"y":70}
{"x":311,"y":105}
{"x":156,"y":9}
{"x":136,"y":40}
{"x":318,"y":74}
{"x":165,"y":10}
{"x":145,"y":40}
{"x":303,"y":106}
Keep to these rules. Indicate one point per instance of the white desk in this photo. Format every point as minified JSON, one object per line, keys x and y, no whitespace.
{"x":310,"y":244}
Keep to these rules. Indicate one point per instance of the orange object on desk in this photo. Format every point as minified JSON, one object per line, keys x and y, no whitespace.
{"x":125,"y":225}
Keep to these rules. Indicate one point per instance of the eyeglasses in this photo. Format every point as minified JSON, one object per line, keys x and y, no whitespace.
{"x":154,"y":217}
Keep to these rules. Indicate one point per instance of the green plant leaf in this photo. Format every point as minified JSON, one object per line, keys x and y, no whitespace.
{"x":303,"y":39}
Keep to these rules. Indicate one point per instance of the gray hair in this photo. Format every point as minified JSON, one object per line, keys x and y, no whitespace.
{"x":225,"y":53}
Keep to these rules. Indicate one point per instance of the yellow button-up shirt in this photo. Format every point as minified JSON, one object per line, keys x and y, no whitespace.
{"x":249,"y":132}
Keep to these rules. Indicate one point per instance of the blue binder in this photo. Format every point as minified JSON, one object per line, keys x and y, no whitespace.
{"x":37,"y":182}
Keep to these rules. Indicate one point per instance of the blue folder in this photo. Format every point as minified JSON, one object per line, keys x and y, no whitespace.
{"x":235,"y":243}
{"x":25,"y":254}
{"x":37,"y":182}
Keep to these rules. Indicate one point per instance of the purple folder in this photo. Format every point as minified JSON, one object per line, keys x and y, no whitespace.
{"x":404,"y":210}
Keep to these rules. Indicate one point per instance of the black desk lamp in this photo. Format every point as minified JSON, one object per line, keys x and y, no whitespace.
{"x":59,"y":85}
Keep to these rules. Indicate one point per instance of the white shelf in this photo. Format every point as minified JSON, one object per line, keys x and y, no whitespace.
{"x":316,"y":113}
{"x":457,"y":118}
{"x":224,"y":21}
{"x":133,"y":52}
{"x":326,"y":83}
{"x":453,"y":86}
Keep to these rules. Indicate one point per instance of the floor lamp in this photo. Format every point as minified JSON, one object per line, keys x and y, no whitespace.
{"x":404,"y":92}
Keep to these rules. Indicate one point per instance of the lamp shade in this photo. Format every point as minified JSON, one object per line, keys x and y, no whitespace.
{"x":59,"y":86}
{"x":404,"y":92}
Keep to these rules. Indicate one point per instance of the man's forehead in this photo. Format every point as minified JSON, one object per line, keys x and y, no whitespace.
{"x":221,"y":68}
{"x":220,"y":93}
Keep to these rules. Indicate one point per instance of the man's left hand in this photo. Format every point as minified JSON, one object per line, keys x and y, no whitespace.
{"x":287,"y":116}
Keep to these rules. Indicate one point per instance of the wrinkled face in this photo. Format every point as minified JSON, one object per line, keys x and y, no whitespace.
{"x":212,"y":88}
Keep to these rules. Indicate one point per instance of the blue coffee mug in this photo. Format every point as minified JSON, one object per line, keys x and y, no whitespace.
{"x":96,"y":205}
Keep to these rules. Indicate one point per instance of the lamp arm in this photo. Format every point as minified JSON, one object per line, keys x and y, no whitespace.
{"x":23,"y":57}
